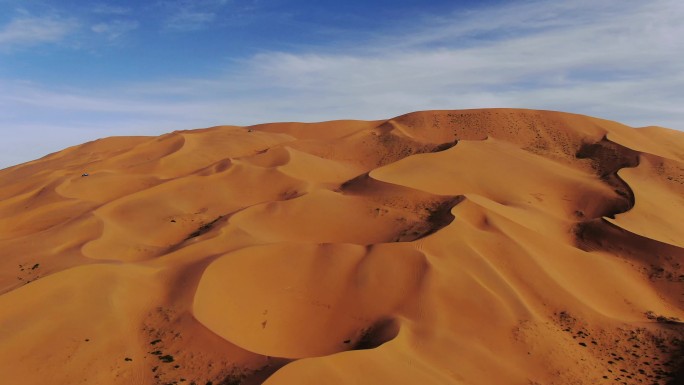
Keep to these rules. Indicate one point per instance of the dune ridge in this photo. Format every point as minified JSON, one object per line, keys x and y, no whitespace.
{"x":493,"y":246}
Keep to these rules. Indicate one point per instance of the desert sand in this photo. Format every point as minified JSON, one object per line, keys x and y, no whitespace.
{"x":481,"y":247}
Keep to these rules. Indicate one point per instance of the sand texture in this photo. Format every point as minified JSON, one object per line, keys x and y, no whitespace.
{"x":477,"y":247}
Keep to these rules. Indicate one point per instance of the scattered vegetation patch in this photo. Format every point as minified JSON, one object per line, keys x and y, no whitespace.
{"x":231,"y":380}
{"x":662,"y":319}
{"x":435,"y":217}
{"x":28,"y":274}
{"x":204,"y":228}
{"x":166,"y":358}
{"x":172,"y":360}
{"x":381,"y":332}
{"x":444,"y":146}
{"x":440,"y":216}
{"x":632,"y":355}
{"x":668,"y":271}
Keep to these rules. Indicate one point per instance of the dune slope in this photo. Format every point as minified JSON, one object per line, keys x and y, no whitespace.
{"x":494,"y":246}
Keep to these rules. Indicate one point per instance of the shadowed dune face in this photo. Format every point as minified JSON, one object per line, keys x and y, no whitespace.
{"x":455,"y":247}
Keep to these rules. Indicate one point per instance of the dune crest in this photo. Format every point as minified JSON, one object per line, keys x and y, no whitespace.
{"x":494,"y":246}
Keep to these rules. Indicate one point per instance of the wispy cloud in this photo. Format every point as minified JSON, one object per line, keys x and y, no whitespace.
{"x":114,"y":29}
{"x":618,"y":59}
{"x":188,"y":20}
{"x":529,"y":18}
{"x":30,"y":31}
{"x":109,"y":9}
{"x":184,"y":15}
{"x":621,"y":60}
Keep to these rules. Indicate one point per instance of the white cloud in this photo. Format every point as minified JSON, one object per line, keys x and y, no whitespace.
{"x":188,"y":20}
{"x":185,"y":15}
{"x":620,"y":60}
{"x":29,"y":31}
{"x":115,"y":29}
{"x":617,"y":59}
{"x":109,"y":9}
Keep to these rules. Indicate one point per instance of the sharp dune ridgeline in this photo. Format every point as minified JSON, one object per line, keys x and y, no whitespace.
{"x":493,"y":246}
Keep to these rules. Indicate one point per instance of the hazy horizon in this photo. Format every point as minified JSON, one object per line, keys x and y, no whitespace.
{"x":78,"y":71}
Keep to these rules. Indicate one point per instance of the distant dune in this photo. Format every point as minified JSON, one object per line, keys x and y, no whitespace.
{"x":477,"y":247}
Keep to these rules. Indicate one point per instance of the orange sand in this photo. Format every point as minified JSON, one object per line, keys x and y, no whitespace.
{"x":442,"y":247}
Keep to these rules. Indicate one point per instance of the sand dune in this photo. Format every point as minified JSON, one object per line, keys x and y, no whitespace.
{"x":492,"y":246}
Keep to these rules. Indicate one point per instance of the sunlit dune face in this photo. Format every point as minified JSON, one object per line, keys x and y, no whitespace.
{"x":461,"y":247}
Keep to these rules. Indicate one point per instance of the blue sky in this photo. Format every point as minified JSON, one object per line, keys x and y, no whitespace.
{"x":73,"y":71}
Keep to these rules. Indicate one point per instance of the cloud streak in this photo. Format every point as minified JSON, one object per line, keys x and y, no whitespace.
{"x":108,"y":9}
{"x":115,"y":29}
{"x":30,"y":31}
{"x":194,"y":15}
{"x":620,"y":60}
